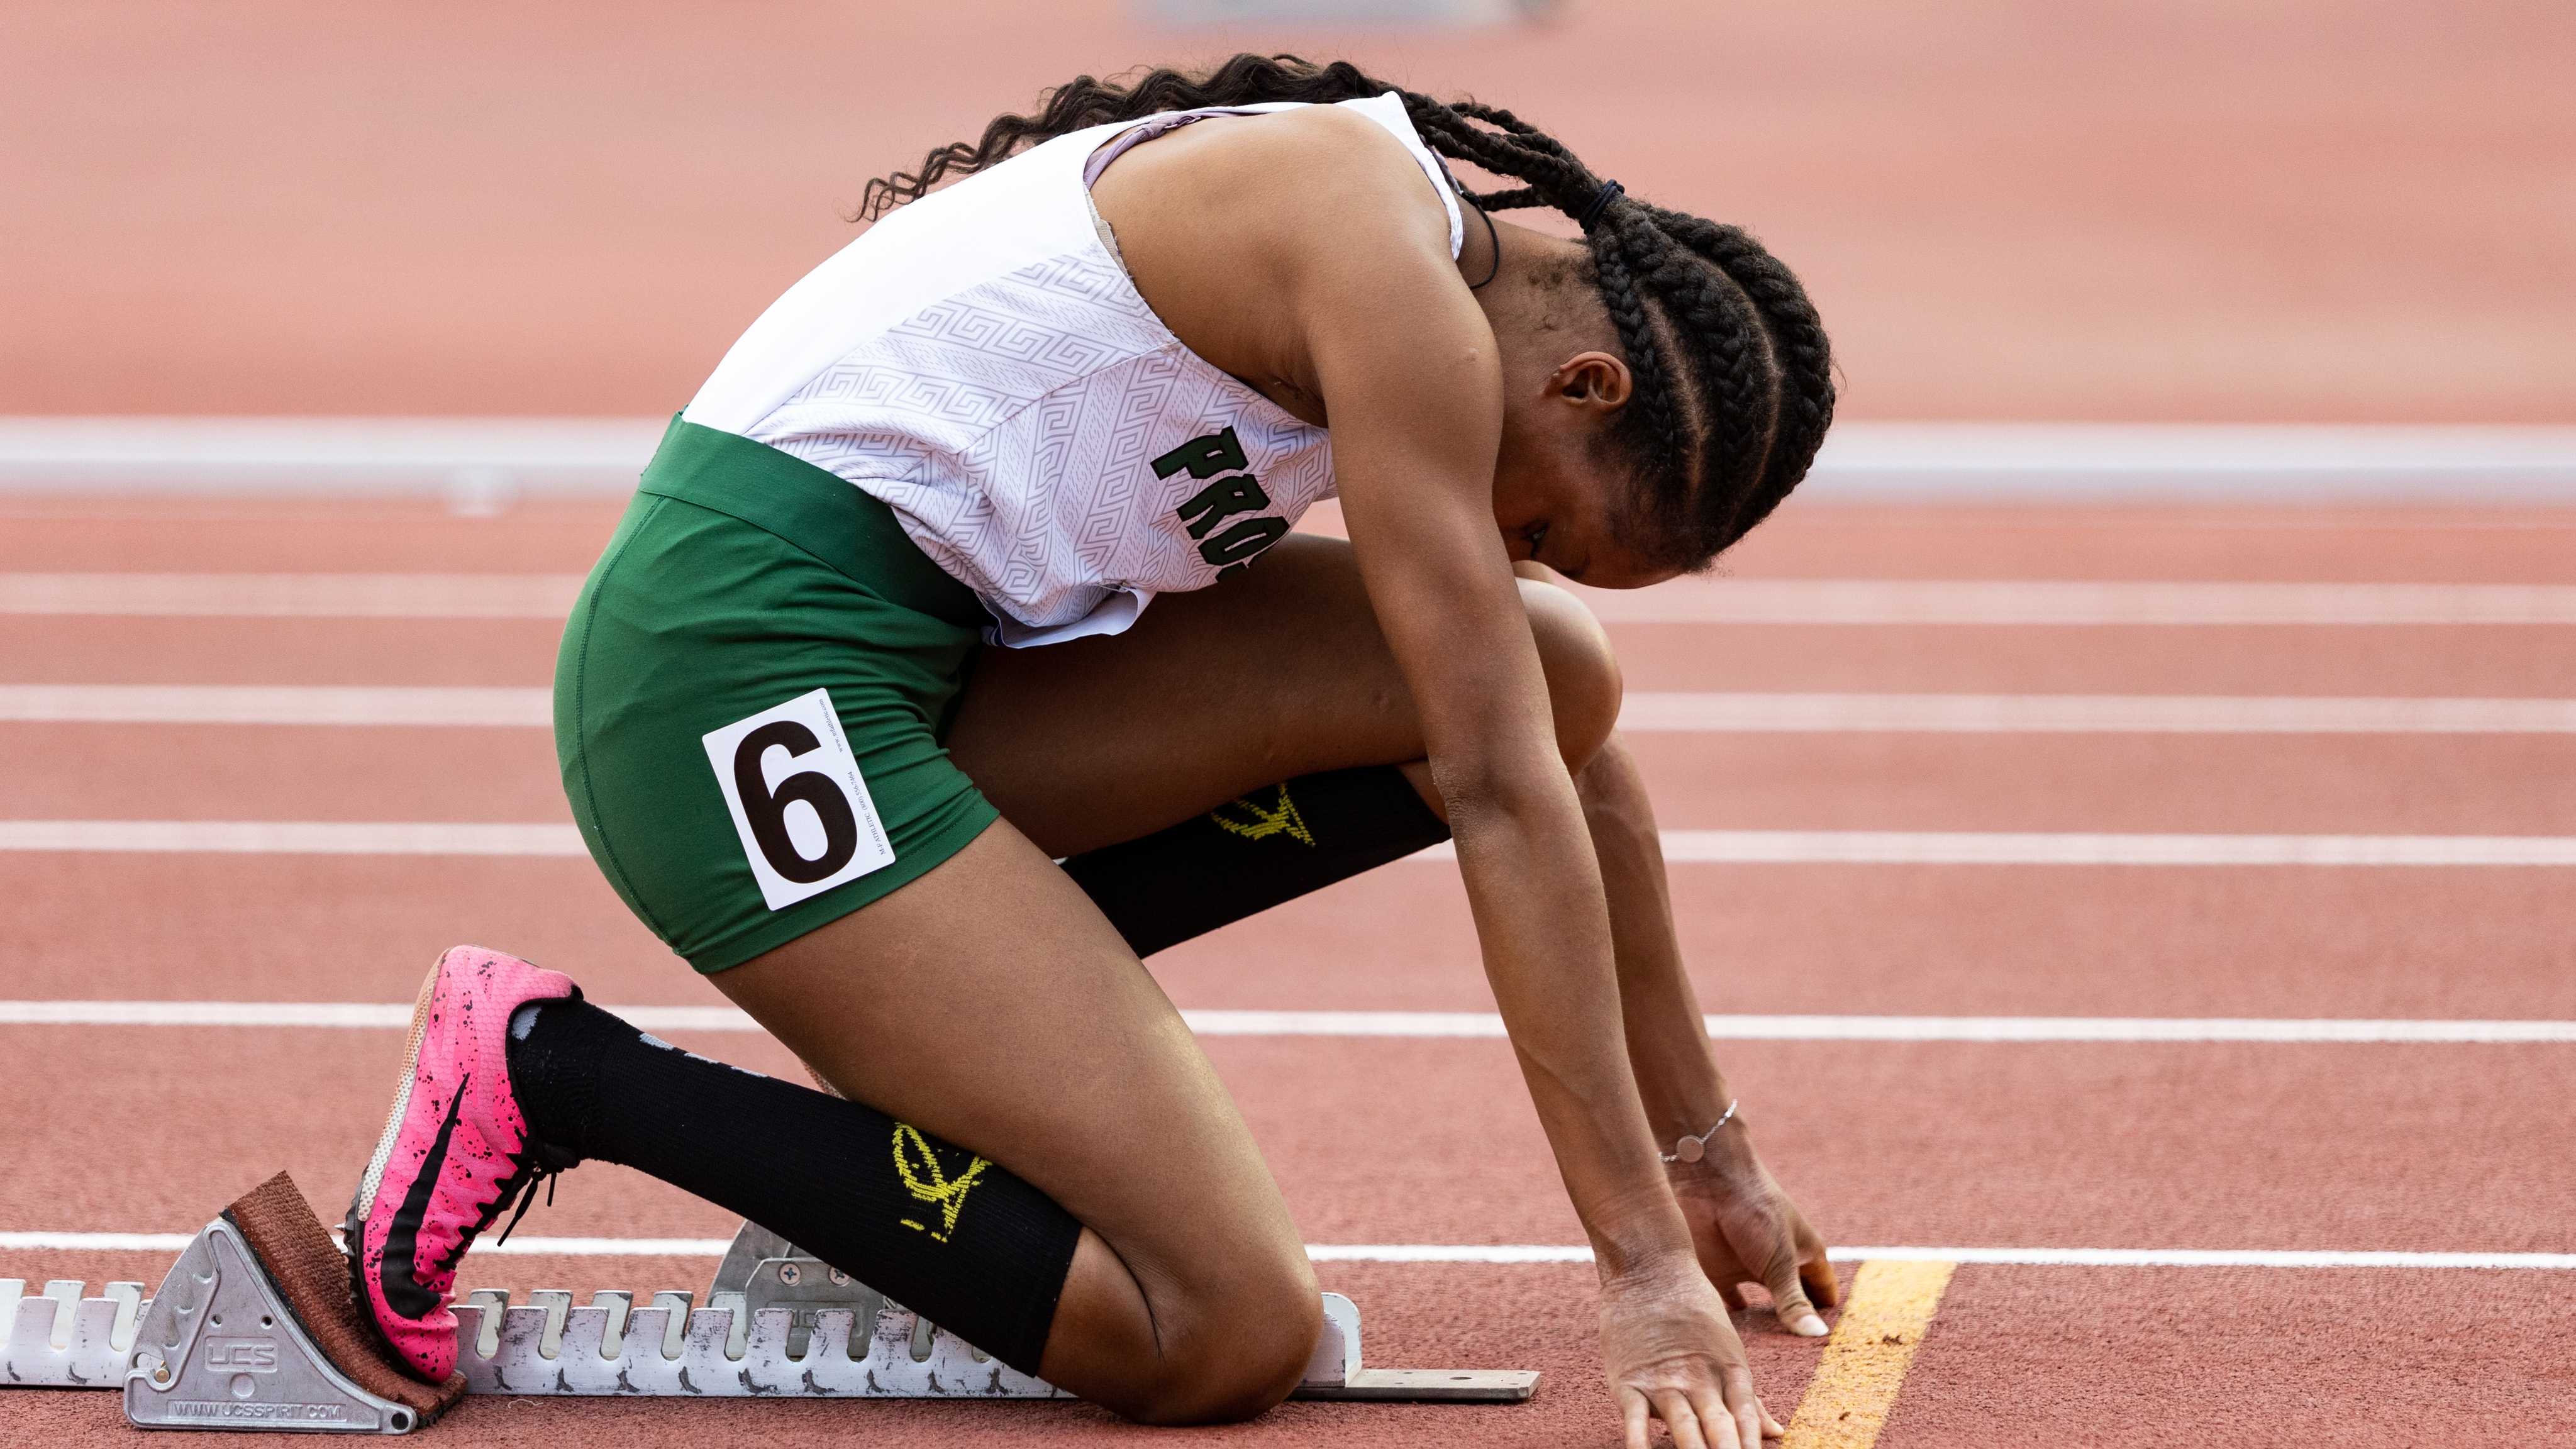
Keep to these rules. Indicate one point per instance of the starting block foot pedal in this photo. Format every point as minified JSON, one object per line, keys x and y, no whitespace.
{"x":255,"y":1328}
{"x":1335,"y":1373}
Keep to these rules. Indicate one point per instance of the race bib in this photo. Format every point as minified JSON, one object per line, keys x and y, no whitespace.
{"x":798,"y":803}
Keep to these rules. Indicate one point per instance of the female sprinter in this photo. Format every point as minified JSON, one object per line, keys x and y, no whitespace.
{"x":1094,"y":376}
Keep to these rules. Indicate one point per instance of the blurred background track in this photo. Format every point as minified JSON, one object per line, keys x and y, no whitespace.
{"x":2291,"y":211}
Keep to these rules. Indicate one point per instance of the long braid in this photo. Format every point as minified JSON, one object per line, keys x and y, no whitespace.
{"x":1086,"y":101}
{"x":1797,"y":338}
{"x":1733,"y":374}
{"x":1761,"y":360}
{"x":1617,"y":270}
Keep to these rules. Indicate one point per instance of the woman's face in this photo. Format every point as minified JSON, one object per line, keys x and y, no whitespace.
{"x":1558,"y":498}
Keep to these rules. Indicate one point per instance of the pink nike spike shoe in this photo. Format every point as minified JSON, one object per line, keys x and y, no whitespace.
{"x":455,"y":1151}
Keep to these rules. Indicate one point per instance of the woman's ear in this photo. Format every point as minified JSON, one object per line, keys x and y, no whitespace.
{"x":1593,"y":380}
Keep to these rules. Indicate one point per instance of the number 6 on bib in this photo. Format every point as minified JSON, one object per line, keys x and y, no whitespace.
{"x":798,"y":803}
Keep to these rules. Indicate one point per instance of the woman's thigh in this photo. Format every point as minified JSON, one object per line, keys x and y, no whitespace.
{"x":1279,"y":672}
{"x":990,"y":1003}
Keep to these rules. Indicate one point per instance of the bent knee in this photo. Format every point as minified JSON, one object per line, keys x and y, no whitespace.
{"x":1584,"y":686}
{"x":1236,"y":1353}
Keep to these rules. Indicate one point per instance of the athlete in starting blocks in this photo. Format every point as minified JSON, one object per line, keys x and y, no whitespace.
{"x":864,"y":711}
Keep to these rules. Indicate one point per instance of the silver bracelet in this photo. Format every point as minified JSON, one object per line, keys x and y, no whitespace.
{"x":1692,"y":1149}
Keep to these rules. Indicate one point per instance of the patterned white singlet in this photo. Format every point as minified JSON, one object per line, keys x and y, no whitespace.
{"x":980,"y":362}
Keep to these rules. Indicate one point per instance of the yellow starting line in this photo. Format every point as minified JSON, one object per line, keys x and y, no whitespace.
{"x":1883,"y":1321}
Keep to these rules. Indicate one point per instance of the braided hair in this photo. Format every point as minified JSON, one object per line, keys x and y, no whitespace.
{"x":1733,"y":376}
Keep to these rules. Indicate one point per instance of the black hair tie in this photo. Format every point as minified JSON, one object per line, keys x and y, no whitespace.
{"x":1610,"y":191}
{"x":1494,"y":237}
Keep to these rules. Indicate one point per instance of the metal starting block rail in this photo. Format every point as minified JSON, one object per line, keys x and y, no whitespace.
{"x":612,"y":1348}
{"x":58,"y":1339}
{"x":215,"y":1349}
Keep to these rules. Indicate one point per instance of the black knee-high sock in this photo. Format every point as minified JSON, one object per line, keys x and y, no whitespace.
{"x":971,"y":1246}
{"x":1271,"y":846}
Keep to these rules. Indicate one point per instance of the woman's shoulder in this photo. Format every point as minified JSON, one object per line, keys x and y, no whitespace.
{"x":1316,"y":148}
{"x":1335,"y":178}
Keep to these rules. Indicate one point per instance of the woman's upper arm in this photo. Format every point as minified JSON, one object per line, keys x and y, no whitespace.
{"x":1408,"y":368}
{"x":1316,"y":251}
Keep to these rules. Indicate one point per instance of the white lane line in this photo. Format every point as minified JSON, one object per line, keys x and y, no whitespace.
{"x":1705,"y":713}
{"x":238,"y":1013}
{"x":1948,"y":847}
{"x":2021,"y":1257}
{"x":567,"y":1247}
{"x":2092,"y":713}
{"x":95,"y":1242}
{"x":269,"y":704}
{"x":74,"y":447}
{"x":1684,"y":601}
{"x":291,"y":837}
{"x":1757,"y":847}
{"x":2018,"y":848}
{"x":2198,"y":462}
{"x":1504,"y":1253}
{"x":1862,"y":460}
{"x":1911,"y":1028}
{"x":2010,"y":1257}
{"x":1418,"y":1024}
{"x":1957,"y":601}
{"x":480,"y":465}
{"x":2015,"y":848}
{"x":2202,"y":1258}
{"x":307,"y":596}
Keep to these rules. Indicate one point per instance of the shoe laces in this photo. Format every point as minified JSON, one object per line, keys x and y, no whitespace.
{"x":525,"y":1189}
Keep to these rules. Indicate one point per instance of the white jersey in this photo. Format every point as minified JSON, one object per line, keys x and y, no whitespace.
{"x":980,"y":361}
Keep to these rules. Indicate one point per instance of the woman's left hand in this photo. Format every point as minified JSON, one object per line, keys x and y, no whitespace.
{"x":1746,"y":1230}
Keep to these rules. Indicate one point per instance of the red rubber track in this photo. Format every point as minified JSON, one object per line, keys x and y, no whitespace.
{"x":2471,"y":943}
{"x":2006,"y":208}
{"x":2331,"y":1147}
{"x":2322,"y":1147}
{"x":2424,"y":785}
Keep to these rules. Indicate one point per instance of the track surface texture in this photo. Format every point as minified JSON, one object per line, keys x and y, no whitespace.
{"x":2006,"y":209}
{"x":2323,"y":1147}
{"x":2303,"y":210}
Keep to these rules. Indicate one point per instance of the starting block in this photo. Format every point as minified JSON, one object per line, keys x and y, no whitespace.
{"x":254,"y":1328}
{"x":781,"y":1322}
{"x":235,"y":1338}
{"x":222,"y":1347}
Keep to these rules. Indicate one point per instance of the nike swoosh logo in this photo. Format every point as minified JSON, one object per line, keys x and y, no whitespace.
{"x":402,"y":1244}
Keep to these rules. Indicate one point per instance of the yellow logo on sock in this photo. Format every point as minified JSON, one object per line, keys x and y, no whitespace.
{"x":1281,"y":819}
{"x":949,"y":1196}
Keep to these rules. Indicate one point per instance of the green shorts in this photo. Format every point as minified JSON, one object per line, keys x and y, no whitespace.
{"x":751,"y":700}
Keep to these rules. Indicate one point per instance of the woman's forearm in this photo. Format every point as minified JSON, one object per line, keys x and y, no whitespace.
{"x":1535,"y":889}
{"x":1678,"y":1079}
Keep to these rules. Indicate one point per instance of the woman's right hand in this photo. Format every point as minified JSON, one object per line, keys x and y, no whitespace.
{"x":1671,"y":1353}
{"x":1748,"y":1231}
